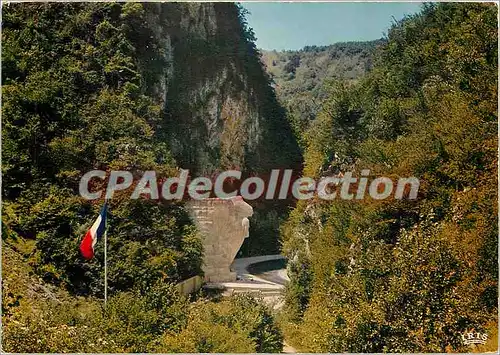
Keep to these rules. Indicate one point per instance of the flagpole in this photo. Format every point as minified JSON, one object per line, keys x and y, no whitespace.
{"x":106,"y":259}
{"x":105,"y":267}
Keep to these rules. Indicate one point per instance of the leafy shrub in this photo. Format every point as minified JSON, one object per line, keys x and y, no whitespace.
{"x":129,"y":323}
{"x":76,"y":102}
{"x":237,"y":324}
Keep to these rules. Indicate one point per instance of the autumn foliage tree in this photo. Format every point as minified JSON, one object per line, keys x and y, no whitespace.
{"x":405,"y":276}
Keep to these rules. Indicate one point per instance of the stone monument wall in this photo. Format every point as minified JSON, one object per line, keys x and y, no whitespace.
{"x":224,"y":225}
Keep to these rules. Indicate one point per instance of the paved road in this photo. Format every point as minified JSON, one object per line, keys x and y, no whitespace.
{"x":241,"y":265}
{"x":275,"y":276}
{"x":288,"y":349}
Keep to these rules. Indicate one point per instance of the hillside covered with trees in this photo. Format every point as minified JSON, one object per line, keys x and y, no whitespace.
{"x":299,"y":77}
{"x":125,"y":86}
{"x":395,"y":275}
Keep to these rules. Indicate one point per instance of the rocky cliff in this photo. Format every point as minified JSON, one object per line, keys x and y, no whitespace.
{"x":219,"y":110}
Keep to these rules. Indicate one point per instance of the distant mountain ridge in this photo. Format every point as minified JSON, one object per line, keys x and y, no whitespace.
{"x":299,"y":75}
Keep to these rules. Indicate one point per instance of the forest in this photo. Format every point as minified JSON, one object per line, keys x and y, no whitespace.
{"x":169,"y":86}
{"x":404,"y":276}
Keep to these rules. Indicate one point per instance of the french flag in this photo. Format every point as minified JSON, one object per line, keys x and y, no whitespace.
{"x":93,"y":234}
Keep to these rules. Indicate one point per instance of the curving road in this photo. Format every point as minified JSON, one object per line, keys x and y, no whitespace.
{"x":261,"y":268}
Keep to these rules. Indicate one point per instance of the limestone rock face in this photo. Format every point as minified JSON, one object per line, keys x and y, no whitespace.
{"x":224,"y":225}
{"x":218,"y":108}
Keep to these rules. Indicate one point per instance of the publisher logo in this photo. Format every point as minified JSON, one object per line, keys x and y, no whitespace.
{"x":473,"y":337}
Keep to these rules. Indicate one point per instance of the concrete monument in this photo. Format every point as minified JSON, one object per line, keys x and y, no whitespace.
{"x":224,"y":225}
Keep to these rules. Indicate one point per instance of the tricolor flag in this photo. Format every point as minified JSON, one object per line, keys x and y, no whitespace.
{"x":93,"y":234}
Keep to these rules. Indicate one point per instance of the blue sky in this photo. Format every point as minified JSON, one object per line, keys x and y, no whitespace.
{"x":288,"y":25}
